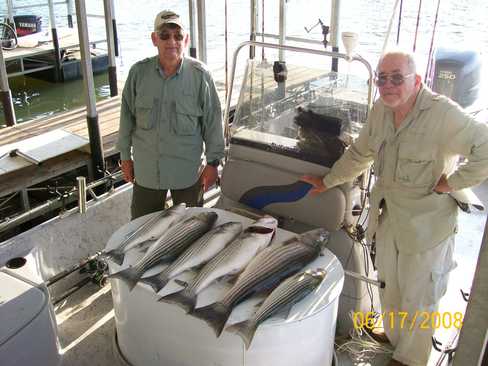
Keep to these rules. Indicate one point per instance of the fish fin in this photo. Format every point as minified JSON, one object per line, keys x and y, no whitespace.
{"x":115,"y":255}
{"x":184,"y":299}
{"x":157,"y":282}
{"x":181,"y":283}
{"x":143,"y":246}
{"x":245,"y":330}
{"x":215,"y":315}
{"x":129,"y":275}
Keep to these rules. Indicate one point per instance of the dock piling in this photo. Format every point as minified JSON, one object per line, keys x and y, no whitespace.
{"x":58,"y":75}
{"x":193,"y":31}
{"x":112,"y":67}
{"x":98,"y":163}
{"x":5,"y":94}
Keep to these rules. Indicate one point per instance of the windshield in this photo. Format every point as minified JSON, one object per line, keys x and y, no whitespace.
{"x":310,"y":114}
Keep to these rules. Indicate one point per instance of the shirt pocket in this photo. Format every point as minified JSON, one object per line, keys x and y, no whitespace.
{"x":187,"y":119}
{"x":146,"y":111}
{"x":415,"y":166}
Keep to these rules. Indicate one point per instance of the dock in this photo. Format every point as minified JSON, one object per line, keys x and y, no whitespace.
{"x":35,"y":52}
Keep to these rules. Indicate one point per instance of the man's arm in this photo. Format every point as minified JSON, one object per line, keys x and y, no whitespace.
{"x":126,"y":126}
{"x":212,"y":131}
{"x":467,"y":137}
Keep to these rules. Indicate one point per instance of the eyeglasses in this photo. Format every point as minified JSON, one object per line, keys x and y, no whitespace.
{"x":396,"y":79}
{"x":167,"y":35}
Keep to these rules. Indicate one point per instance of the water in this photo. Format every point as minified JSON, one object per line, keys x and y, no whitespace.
{"x":460,"y":24}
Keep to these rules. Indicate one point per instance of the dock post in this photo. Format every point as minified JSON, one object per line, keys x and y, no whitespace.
{"x":58,"y":75}
{"x":10,"y":14}
{"x":193,"y":31}
{"x":5,"y":94}
{"x":98,"y":163}
{"x":114,"y":26}
{"x":202,"y":31}
{"x":112,"y":67}
{"x":69,"y":4}
{"x":334,"y":31}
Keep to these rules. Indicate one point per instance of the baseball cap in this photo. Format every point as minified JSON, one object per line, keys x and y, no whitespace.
{"x":167,"y":17}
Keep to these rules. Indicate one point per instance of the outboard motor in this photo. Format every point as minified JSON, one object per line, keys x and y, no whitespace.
{"x":457,"y":75}
{"x":27,"y":24}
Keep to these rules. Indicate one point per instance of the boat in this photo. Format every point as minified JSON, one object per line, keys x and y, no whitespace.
{"x":273,"y":140}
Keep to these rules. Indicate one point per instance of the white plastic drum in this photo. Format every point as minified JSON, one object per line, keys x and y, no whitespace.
{"x":156,"y":333}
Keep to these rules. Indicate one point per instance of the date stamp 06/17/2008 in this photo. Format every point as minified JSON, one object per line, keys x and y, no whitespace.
{"x":405,"y":320}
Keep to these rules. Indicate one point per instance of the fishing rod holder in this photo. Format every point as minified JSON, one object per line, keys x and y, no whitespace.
{"x":325,"y":31}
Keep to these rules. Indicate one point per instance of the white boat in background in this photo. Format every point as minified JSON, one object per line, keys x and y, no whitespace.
{"x":273,"y":140}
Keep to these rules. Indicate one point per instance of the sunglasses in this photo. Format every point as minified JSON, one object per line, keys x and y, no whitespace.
{"x":396,"y":79}
{"x":164,"y":36}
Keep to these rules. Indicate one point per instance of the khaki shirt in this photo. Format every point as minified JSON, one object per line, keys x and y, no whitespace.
{"x":408,"y":163}
{"x":166,"y":121}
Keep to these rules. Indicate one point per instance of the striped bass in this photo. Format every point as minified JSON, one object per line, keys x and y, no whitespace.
{"x":150,"y":230}
{"x":230,"y":260}
{"x":288,"y":293}
{"x":169,"y":246}
{"x":265,"y":272}
{"x":200,"y":252}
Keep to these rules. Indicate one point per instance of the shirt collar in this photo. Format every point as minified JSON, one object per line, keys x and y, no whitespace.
{"x":160,"y":69}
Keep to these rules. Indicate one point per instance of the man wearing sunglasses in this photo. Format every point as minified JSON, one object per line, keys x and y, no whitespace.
{"x":170,"y":111}
{"x":414,"y":138}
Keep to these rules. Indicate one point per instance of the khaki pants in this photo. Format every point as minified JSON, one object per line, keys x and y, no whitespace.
{"x":414,"y":285}
{"x":146,"y":200}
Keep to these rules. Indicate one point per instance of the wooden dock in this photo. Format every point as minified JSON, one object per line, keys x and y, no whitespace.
{"x":37,"y":45}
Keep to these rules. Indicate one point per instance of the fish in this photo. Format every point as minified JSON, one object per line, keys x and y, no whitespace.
{"x":150,"y":230}
{"x":229,"y":261}
{"x":169,"y":246}
{"x":200,"y":252}
{"x":288,"y":293}
{"x":264,"y":273}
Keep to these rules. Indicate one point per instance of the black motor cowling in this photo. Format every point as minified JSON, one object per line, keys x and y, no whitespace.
{"x":457,"y":75}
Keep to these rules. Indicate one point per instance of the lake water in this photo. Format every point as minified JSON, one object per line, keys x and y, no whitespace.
{"x":461,"y":24}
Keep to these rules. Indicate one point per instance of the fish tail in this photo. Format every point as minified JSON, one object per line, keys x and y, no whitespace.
{"x":215,"y":315}
{"x":157,"y":282}
{"x":245,"y":330}
{"x":184,"y":299}
{"x":115,"y":255}
{"x":129,"y":275}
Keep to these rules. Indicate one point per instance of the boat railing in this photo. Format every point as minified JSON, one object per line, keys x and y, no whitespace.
{"x":332,"y":54}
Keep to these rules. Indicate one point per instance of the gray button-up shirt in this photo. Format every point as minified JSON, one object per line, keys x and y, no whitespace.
{"x":167,"y":120}
{"x":408,"y":163}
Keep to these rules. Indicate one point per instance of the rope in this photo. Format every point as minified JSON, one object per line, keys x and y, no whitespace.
{"x":429,"y":68}
{"x":389,"y":27}
{"x":417,"y":26}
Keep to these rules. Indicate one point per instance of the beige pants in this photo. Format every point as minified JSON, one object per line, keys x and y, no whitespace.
{"x":414,"y":285}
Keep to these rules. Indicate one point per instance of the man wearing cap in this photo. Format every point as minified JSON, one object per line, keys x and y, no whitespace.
{"x":414,"y":137}
{"x":170,"y":110}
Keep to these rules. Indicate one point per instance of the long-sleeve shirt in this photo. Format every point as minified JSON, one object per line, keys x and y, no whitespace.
{"x":408,"y":163}
{"x":167,"y":120}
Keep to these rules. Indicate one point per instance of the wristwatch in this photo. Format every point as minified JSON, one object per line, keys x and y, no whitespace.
{"x":214,"y":163}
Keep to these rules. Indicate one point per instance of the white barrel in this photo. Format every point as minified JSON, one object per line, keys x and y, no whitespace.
{"x":157,"y":333}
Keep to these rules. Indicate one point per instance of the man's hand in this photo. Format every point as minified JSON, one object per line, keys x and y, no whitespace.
{"x":442,"y":186}
{"x":209,"y":176}
{"x":316,"y":182}
{"x":127,"y":167}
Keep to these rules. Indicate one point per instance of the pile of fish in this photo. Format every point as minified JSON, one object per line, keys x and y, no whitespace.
{"x":185,"y":242}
